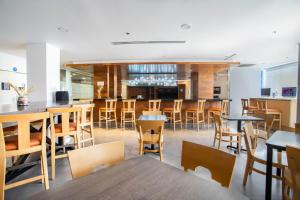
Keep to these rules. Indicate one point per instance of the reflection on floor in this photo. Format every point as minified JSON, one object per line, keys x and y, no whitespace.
{"x":172,"y":154}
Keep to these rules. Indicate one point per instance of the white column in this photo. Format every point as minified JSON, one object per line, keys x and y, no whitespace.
{"x":43,"y":71}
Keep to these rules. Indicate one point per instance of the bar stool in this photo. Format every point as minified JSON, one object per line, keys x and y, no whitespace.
{"x":197,"y":114}
{"x":128,"y":109}
{"x":223,"y":110}
{"x":264,"y":111}
{"x":109,"y":111}
{"x":21,"y":144}
{"x":86,"y":123}
{"x":154,"y":105}
{"x":60,"y":130}
{"x":176,"y":110}
{"x":247,"y":107}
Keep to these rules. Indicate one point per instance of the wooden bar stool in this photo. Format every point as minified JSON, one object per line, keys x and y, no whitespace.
{"x":154,"y":105}
{"x":173,"y":112}
{"x":265,"y":112}
{"x":60,"y":130}
{"x":128,"y":109}
{"x":197,"y":114}
{"x":109,"y":111}
{"x":247,"y":108}
{"x":221,"y":132}
{"x":86,"y":123}
{"x":21,"y":144}
{"x":223,"y":110}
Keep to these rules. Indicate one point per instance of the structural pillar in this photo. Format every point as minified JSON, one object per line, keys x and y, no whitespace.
{"x":298,"y":96}
{"x":43,"y":71}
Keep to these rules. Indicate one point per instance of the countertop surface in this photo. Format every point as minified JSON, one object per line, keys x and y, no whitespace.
{"x":216,"y":99}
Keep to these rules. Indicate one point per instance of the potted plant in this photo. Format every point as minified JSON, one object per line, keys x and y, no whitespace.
{"x":22,"y":94}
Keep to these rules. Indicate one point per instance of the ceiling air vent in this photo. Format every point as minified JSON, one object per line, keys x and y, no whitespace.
{"x":149,"y":42}
{"x":246,"y":65}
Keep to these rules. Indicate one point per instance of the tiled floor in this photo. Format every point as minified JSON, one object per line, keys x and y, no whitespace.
{"x":172,"y":155}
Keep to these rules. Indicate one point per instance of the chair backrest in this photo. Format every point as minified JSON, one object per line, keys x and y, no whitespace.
{"x":85,"y":160}
{"x":146,"y":126}
{"x":177,"y":105}
{"x":129,"y":104}
{"x":201,"y":105}
{"x":86,"y":112}
{"x":219,"y":163}
{"x":151,"y":113}
{"x":262,"y":105}
{"x":23,"y":123}
{"x":218,"y":122}
{"x":293,"y":158}
{"x":245,"y":103}
{"x":224,"y":107}
{"x":297,"y":127}
{"x":65,"y":118}
{"x":250,"y":139}
{"x":111,"y":104}
{"x":154,"y":105}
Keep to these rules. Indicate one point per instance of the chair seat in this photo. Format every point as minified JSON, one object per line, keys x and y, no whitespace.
{"x":273,"y":110}
{"x":127,"y":110}
{"x":288,"y":178}
{"x":153,"y":138}
{"x":229,"y":132}
{"x":261,"y":134}
{"x":58,"y":127}
{"x":168,"y":109}
{"x":11,"y":142}
{"x":262,"y":156}
{"x":191,"y":110}
{"x":214,"y":109}
{"x":250,"y":107}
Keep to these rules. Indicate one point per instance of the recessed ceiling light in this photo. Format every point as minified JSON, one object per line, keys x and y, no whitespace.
{"x":127,"y":33}
{"x":62,"y":29}
{"x":274,"y":32}
{"x":185,"y":26}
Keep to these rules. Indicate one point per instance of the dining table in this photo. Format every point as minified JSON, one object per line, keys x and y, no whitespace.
{"x":279,"y":140}
{"x":142,"y":177}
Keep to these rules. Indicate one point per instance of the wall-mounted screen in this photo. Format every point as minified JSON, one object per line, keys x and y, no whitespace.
{"x":217,"y":90}
{"x":289,"y":91}
{"x":265,"y":91}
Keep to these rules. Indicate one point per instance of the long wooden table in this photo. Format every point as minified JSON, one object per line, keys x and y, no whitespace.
{"x":140,"y":178}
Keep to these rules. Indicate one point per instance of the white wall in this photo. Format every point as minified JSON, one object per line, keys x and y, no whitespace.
{"x":7,"y":62}
{"x":245,"y":82}
{"x":278,"y":77}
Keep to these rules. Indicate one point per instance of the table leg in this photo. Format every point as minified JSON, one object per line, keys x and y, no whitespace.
{"x":239,"y":126}
{"x":268,"y":189}
{"x":278,"y":171}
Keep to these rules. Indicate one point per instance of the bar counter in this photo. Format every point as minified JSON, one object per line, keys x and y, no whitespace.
{"x":143,"y":104}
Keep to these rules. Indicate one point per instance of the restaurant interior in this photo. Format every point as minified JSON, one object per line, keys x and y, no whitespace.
{"x":110,"y":100}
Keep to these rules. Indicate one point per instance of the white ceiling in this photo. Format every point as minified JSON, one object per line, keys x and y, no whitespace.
{"x":219,"y":29}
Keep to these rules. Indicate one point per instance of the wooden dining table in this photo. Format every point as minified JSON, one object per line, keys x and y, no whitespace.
{"x":140,"y":178}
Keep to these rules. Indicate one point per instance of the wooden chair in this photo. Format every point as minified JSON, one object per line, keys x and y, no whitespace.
{"x":21,"y":144}
{"x":257,"y":156}
{"x":85,"y":160}
{"x":173,"y":112}
{"x":292,"y":174}
{"x":223,"y":110}
{"x":150,"y":132}
{"x":63,"y":129}
{"x":154,"y":105}
{"x":221,"y":132}
{"x":86,"y":123}
{"x":151,"y":112}
{"x":297,"y":127}
{"x":219,"y":163}
{"x":128,"y":109}
{"x":197,"y":114}
{"x":247,"y":108}
{"x":264,"y":111}
{"x":109,"y":111}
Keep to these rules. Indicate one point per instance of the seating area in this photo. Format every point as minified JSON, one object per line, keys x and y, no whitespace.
{"x":153,"y":100}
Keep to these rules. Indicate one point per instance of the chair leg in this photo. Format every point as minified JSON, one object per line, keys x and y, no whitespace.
{"x":92,"y":134}
{"x":99,"y":119}
{"x":41,"y":165}
{"x":197,"y":118}
{"x":160,"y":152}
{"x":116,"y":120}
{"x":141,"y":148}
{"x":106,"y":120}
{"x":219,"y":144}
{"x":3,"y":173}
{"x":53,"y":158}
{"x":247,"y":171}
{"x":45,"y":168}
{"x":174,"y":118}
{"x":180,"y":120}
{"x":186,"y":119}
{"x":238,"y":144}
